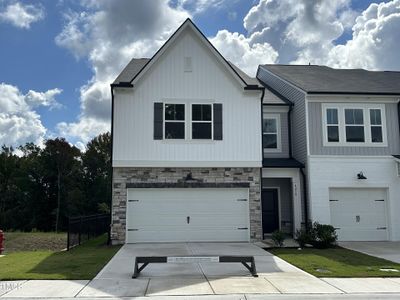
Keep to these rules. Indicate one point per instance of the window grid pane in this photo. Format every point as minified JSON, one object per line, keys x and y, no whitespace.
{"x":270,"y":126}
{"x":332,"y":116}
{"x":174,"y":130}
{"x":355,"y":134}
{"x":201,"y":112}
{"x":354,"y":116}
{"x":270,"y":141}
{"x":376,"y":134}
{"x":201,"y":130}
{"x":375,"y":115}
{"x":333,"y":133}
{"x":175,"y":112}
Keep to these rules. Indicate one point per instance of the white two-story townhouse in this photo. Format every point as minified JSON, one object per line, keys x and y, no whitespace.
{"x":345,"y":130}
{"x":187,"y":152}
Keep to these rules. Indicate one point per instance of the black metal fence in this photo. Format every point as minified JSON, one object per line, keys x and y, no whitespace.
{"x":83,"y":228}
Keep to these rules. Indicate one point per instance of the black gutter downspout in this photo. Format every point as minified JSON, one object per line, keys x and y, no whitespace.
{"x":305,"y":193}
{"x":303,"y":175}
{"x":290,"y":129}
{"x":111,"y":158}
{"x":112,"y":86}
{"x":398,"y":113}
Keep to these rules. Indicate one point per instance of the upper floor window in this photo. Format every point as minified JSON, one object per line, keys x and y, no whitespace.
{"x":354,"y":120}
{"x":376,"y":125}
{"x":332,"y":122}
{"x":271,"y":133}
{"x":202,"y":121}
{"x":354,"y":125}
{"x":174,"y":121}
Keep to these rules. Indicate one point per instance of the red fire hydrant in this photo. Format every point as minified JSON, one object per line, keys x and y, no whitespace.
{"x":1,"y":241}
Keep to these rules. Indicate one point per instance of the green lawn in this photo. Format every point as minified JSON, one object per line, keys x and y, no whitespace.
{"x":82,"y":262}
{"x":33,"y":241}
{"x":337,"y":262}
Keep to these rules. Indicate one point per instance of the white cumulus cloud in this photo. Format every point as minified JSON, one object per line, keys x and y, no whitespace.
{"x":375,"y":42}
{"x":109,"y":33}
{"x":242,"y":51}
{"x":19,"y":123}
{"x":21,"y":15}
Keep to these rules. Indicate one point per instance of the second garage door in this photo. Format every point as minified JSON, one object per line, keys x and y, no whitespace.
{"x":187,"y":214}
{"x":359,"y":214}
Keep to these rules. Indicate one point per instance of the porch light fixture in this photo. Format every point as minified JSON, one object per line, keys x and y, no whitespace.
{"x":361,"y":175}
{"x":189,"y":177}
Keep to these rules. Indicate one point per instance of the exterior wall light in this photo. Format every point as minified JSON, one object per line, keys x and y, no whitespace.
{"x":361,"y":175}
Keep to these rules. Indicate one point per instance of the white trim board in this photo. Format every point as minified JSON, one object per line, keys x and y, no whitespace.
{"x":185,"y":164}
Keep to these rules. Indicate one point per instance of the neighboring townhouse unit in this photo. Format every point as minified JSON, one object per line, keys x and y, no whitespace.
{"x":345,"y":130}
{"x":187,"y":150}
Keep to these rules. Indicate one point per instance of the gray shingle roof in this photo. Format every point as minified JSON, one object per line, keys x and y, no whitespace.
{"x":131,"y":70}
{"x":249,"y":80}
{"x":282,"y":163}
{"x":322,"y":79}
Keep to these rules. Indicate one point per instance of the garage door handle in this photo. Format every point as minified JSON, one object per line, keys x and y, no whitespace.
{"x":381,"y":228}
{"x":188,"y":219}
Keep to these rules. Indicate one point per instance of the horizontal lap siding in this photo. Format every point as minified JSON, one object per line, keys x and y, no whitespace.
{"x":299,"y":134}
{"x":316,"y":127}
{"x":284,"y":136}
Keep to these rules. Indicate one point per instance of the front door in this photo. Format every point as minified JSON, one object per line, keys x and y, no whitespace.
{"x":270,"y":210}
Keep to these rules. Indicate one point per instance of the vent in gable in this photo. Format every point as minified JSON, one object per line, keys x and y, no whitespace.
{"x":187,"y":64}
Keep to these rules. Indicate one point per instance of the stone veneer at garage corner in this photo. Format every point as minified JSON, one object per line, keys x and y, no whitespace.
{"x":175,"y":177}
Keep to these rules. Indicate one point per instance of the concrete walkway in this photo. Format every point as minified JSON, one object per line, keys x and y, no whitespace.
{"x":385,"y":250}
{"x":277,"y":278}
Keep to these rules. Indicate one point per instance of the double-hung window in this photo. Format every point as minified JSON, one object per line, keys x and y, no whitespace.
{"x":271,"y":133}
{"x":202,"y":122}
{"x":354,"y":124}
{"x":332,"y":121}
{"x":376,"y":125}
{"x":174,"y":124}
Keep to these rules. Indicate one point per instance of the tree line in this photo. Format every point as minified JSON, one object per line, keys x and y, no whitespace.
{"x":40,"y":187}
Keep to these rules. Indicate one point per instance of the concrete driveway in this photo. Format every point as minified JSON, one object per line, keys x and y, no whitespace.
{"x":386,"y":250}
{"x":175,"y":279}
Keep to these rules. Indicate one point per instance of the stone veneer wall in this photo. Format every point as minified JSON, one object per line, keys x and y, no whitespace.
{"x":167,"y":177}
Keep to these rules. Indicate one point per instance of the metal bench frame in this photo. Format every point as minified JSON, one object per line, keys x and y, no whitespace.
{"x":145,"y":260}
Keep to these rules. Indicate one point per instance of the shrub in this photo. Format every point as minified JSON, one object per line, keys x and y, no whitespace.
{"x":278,"y":237}
{"x":302,"y":237}
{"x":322,"y":235}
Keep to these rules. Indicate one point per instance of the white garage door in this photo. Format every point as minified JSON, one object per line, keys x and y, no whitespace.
{"x":359,"y":214}
{"x":187,"y":214}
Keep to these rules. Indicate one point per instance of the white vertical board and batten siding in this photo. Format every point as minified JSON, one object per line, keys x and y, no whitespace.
{"x":299,"y":133}
{"x":316,"y":126}
{"x":166,"y":81}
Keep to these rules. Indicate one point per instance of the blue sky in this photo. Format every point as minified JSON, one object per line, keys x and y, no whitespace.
{"x":57,"y":58}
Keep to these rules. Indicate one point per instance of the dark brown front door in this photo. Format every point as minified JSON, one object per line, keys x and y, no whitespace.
{"x":270,"y":210}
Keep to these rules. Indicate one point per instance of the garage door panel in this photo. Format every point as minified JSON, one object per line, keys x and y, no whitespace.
{"x":160,"y":215}
{"x":144,"y":236}
{"x":358,"y":215}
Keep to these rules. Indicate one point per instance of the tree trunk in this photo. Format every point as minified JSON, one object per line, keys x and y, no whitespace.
{"x":58,"y":198}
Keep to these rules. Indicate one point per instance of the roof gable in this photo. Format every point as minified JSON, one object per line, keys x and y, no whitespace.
{"x":138,"y":67}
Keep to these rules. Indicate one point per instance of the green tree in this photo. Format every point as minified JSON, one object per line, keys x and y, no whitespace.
{"x":96,"y":162}
{"x":62,"y":165}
